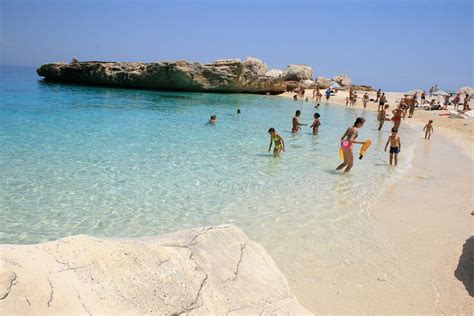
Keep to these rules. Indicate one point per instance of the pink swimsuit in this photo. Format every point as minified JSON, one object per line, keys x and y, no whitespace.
{"x":347,"y":144}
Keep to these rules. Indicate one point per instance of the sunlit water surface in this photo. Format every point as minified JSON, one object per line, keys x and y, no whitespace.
{"x":127,"y":163}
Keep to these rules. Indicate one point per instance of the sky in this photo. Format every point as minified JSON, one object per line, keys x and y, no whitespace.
{"x":396,"y":45}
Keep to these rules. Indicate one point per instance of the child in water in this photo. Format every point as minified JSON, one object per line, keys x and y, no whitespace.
{"x":296,"y":122}
{"x":395,"y":145}
{"x":316,"y":123}
{"x":278,"y":140}
{"x":428,"y":129}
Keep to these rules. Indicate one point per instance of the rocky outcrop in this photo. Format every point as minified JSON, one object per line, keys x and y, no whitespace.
{"x":228,"y":75}
{"x":466,"y":90}
{"x":255,"y":66}
{"x":362,"y":88}
{"x":323,"y":82}
{"x":215,"y":270}
{"x":343,"y":80}
{"x":297,"y":72}
{"x":274,"y":73}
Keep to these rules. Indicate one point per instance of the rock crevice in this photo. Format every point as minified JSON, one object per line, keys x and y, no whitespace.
{"x":185,"y":272}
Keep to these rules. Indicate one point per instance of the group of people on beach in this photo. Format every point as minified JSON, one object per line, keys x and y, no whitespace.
{"x":406,"y":107}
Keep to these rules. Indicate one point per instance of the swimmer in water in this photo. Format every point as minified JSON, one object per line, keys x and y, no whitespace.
{"x":212,"y":120}
{"x":278,"y":140}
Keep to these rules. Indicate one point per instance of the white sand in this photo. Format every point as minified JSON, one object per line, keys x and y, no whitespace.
{"x":419,"y":229}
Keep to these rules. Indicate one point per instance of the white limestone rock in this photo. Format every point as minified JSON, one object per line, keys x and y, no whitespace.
{"x":214,"y":270}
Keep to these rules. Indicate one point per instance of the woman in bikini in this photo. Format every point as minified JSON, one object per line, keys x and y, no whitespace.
{"x":397,"y":117}
{"x":347,"y":140}
{"x":278,"y":140}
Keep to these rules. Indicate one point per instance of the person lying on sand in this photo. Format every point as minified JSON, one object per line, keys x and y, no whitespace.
{"x":395,"y":146}
{"x":278,"y":140}
{"x":296,"y":122}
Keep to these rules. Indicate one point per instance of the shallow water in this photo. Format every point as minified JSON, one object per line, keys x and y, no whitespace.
{"x":116,"y":162}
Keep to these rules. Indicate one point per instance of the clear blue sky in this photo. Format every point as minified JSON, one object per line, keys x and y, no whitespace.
{"x":395,"y":45}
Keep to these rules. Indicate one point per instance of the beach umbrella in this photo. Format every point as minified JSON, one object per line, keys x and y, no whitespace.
{"x":440,"y":92}
{"x":451,"y":92}
{"x":335,"y":85}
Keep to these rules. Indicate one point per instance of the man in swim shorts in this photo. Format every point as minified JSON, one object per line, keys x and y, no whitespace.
{"x":382,"y":101}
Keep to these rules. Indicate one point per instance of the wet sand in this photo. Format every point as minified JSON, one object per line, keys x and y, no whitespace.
{"x":410,"y":263}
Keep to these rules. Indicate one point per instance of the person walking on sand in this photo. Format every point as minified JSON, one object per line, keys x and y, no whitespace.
{"x":365,"y":99}
{"x":423,"y":97}
{"x":382,"y":117}
{"x":428,"y":129}
{"x":466,"y":107}
{"x":347,"y":141}
{"x":296,"y":122}
{"x":316,"y":124}
{"x":378,"y":95}
{"x":354,"y":99}
{"x":382,"y":101}
{"x":456,"y":101}
{"x":319,"y":95}
{"x":277,"y":140}
{"x":411,"y":102}
{"x":395,"y":146}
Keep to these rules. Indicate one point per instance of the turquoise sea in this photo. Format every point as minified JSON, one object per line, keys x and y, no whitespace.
{"x":126,"y":163}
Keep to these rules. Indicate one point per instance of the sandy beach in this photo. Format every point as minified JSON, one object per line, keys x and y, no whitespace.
{"x":421,"y":227}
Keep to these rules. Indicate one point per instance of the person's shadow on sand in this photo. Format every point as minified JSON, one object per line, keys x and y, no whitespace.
{"x":465,"y":270}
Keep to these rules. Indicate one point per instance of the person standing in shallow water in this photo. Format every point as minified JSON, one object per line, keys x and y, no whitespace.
{"x":278,"y":140}
{"x":328,"y":94}
{"x":347,"y":141}
{"x":296,"y":122}
{"x":365,"y":100}
{"x":316,"y":124}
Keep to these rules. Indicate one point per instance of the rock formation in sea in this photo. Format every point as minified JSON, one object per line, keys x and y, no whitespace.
{"x":213,"y":270}
{"x":229,"y":75}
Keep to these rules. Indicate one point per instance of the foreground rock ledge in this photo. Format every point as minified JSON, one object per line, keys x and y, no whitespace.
{"x":214,"y":270}
{"x":230,"y":75}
